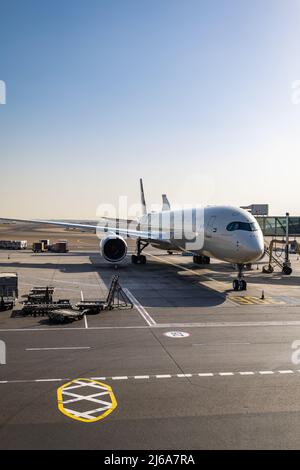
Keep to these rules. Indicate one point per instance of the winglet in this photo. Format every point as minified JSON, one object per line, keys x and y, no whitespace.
{"x":143,"y":202}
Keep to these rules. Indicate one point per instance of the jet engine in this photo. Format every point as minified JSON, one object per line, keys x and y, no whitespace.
{"x":113,"y":248}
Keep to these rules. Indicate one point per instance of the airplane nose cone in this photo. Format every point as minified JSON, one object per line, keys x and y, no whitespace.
{"x":253,"y":249}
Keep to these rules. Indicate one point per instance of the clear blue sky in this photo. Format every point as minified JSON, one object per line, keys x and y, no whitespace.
{"x":193,"y":95}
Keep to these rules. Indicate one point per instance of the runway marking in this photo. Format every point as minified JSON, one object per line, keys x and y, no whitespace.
{"x":251,"y":300}
{"x":57,"y":281}
{"x":221,"y":344}
{"x":107,"y":401}
{"x":57,"y":349}
{"x":143,"y":312}
{"x":78,"y":382}
{"x":161,"y":326}
{"x":177,"y":334}
{"x":85,"y":322}
{"x":48,"y":380}
{"x":228,"y":324}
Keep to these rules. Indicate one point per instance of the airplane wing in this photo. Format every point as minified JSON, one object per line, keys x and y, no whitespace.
{"x":145,"y":235}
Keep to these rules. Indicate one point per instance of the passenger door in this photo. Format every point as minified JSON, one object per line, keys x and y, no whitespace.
{"x":211,"y":227}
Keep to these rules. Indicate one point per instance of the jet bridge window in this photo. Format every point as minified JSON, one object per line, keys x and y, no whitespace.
{"x":245,"y":226}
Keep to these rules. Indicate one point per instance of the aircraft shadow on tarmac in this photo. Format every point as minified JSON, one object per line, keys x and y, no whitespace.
{"x":158,"y":284}
{"x":62,"y":267}
{"x":154,"y":284}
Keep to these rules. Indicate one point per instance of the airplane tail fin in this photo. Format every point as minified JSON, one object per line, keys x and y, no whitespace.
{"x":166,"y":206}
{"x":143,"y":201}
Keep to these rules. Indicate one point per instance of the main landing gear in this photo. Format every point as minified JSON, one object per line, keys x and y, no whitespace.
{"x":239,"y":283}
{"x":200,"y":259}
{"x":139,"y":258}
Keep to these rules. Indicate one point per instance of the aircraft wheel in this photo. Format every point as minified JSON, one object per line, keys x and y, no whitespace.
{"x":200,"y":259}
{"x":268,"y":269}
{"x":243,"y":284}
{"x":236,"y":285}
{"x":287,"y":270}
{"x":143,"y":259}
{"x":134,"y":259}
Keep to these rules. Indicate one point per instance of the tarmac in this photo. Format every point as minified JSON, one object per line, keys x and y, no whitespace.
{"x":193,"y":365}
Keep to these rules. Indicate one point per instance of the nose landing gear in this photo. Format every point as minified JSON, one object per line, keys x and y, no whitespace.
{"x":239,"y":284}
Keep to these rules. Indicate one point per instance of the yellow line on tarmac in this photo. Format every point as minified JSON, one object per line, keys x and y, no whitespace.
{"x":85,"y":417}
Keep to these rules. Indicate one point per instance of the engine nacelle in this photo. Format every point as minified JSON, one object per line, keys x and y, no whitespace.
{"x":113,"y":248}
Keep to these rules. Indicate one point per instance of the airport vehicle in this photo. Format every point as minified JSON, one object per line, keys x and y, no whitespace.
{"x":227,"y":233}
{"x":46,"y":243}
{"x":59,"y":247}
{"x":38,"y":247}
{"x":39,"y":295}
{"x":8,"y":290}
{"x":39,"y":302}
{"x":13,"y":244}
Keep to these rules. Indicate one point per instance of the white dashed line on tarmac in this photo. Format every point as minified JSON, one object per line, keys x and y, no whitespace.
{"x":58,"y":349}
{"x":159,"y":326}
{"x":170,"y":376}
{"x":47,"y":380}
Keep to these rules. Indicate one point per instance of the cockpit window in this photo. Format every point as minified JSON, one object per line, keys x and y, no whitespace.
{"x":246,"y":226}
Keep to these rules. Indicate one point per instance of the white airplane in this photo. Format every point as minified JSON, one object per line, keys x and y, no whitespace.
{"x":229,"y":234}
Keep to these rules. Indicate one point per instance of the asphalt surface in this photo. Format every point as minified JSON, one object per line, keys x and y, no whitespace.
{"x":228,"y":379}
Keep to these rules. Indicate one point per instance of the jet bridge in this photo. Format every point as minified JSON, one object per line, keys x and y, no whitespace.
{"x":276,"y":226}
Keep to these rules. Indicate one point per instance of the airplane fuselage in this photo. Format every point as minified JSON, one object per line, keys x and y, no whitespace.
{"x":227,"y":233}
